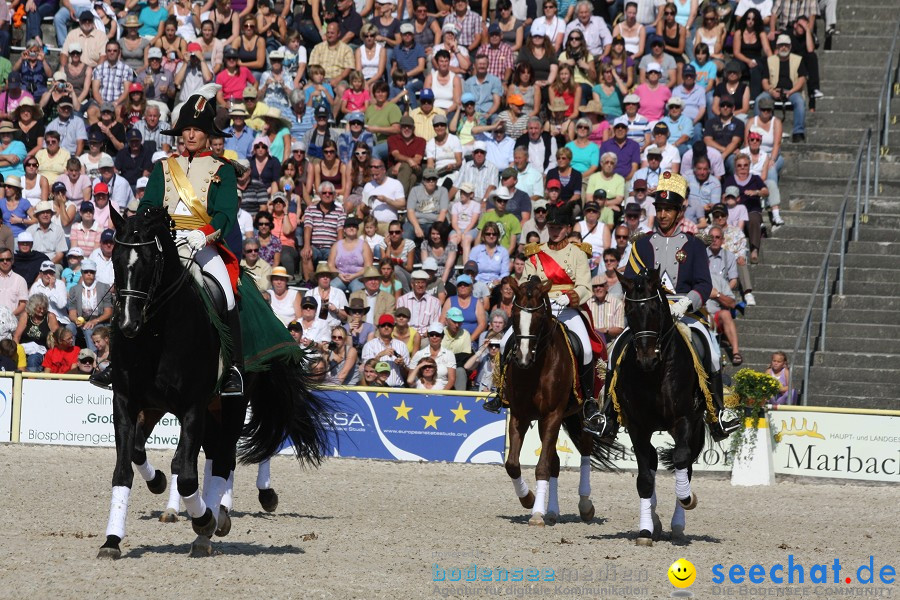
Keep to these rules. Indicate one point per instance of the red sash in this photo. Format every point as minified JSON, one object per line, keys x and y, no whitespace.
{"x":552,"y":270}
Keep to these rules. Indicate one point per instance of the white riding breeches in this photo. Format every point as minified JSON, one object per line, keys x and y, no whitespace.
{"x":572,"y":320}
{"x":209,"y":260}
{"x":711,"y":343}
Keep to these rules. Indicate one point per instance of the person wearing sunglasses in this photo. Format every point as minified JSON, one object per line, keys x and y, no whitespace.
{"x":341,"y":359}
{"x":441,"y":360}
{"x":259,"y":270}
{"x":597,"y":36}
{"x":384,"y":348}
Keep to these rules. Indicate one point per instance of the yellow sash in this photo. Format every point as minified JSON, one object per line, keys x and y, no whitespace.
{"x":199,"y":215}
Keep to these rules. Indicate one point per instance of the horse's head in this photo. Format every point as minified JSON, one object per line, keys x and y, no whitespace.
{"x":142,"y":245}
{"x":530,"y":316}
{"x":648,"y":316}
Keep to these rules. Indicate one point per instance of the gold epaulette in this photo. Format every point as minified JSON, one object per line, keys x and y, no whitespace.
{"x":639,"y":235}
{"x":703,"y":237}
{"x":532,"y":249}
{"x":586,"y":248}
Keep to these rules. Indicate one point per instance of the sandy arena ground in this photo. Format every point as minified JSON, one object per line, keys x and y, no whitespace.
{"x":371,"y":529}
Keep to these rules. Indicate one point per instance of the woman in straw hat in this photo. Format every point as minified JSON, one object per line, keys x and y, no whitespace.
{"x":134,"y":47}
{"x":28,"y":118}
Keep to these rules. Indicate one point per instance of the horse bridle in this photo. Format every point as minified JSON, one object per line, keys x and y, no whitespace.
{"x":150,"y":308}
{"x":543,"y":306}
{"x":648,"y":333}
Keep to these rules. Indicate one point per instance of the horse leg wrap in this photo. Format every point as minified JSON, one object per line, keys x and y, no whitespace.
{"x":118,"y":510}
{"x":213,"y":490}
{"x":553,"y":499}
{"x":521,"y":487}
{"x":584,"y":483}
{"x":174,"y":497}
{"x":228,"y":497}
{"x":540,"y":497}
{"x":264,"y":475}
{"x":146,"y":470}
{"x":678,"y":519}
{"x":195,"y":505}
{"x":646,"y":514}
{"x":682,"y":484}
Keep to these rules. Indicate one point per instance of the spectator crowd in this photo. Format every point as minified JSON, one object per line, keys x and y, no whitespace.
{"x":394,"y":160}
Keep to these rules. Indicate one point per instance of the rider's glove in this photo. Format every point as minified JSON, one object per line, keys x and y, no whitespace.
{"x":681,"y":307}
{"x":196,"y":239}
{"x":562,"y":300}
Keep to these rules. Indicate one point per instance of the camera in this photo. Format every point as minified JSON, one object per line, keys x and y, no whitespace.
{"x":60,"y":85}
{"x":332,"y":346}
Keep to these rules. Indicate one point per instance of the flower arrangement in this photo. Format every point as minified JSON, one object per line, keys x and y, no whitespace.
{"x":753,"y":390}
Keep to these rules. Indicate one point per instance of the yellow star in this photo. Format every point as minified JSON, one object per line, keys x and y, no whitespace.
{"x":431,"y":419}
{"x":459,"y":413}
{"x":380,"y":394}
{"x":402,"y":411}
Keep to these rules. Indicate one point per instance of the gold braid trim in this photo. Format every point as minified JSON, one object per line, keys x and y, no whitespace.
{"x":575,"y":389}
{"x":500,"y":373}
{"x":685,"y":332}
{"x":612,"y":389}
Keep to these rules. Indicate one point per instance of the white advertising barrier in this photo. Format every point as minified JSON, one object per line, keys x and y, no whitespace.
{"x":72,"y":412}
{"x":840,"y":445}
{"x":6,"y":408}
{"x":713,"y":458}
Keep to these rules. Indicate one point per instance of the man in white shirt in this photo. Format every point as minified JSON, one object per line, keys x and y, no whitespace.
{"x":596,"y":33}
{"x":102,"y":256}
{"x":55,"y":290}
{"x":385,"y":348}
{"x":670,"y":156}
{"x":424,"y":308}
{"x":335,"y":312}
{"x":313,"y":331}
{"x":384,"y":195}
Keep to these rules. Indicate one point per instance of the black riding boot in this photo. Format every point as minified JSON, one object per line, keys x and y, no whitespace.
{"x":605,"y":424}
{"x":102,"y":379}
{"x":493,"y":403}
{"x":234,"y":378}
{"x":722,"y":428}
{"x":589,"y":410}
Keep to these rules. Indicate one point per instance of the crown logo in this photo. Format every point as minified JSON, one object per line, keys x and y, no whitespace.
{"x":802,"y":431}
{"x":560,"y":447}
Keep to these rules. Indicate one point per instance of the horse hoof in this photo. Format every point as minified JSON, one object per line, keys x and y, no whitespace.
{"x":690,"y":503}
{"x":657,"y":528}
{"x":536,"y":520}
{"x":586,"y":509}
{"x":157,"y":485}
{"x":110,"y":550}
{"x":224,"y":522}
{"x":678,"y":533}
{"x":645,"y":539}
{"x":551,"y":518}
{"x":205,"y":525}
{"x":268,"y":499}
{"x":527,"y":500}
{"x":201,"y":547}
{"x":168,"y":516}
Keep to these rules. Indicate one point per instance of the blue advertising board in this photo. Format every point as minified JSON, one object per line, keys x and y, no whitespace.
{"x":397,"y":424}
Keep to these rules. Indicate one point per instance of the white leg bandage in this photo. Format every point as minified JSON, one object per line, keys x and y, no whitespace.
{"x":146,"y":470}
{"x":209,"y":260}
{"x":195,"y":505}
{"x":553,"y":500}
{"x":174,"y":497}
{"x":213,"y":490}
{"x":540,"y":497}
{"x":646,"y":515}
{"x":264,"y":475}
{"x":228,"y":497}
{"x":682,"y":484}
{"x":207,"y":471}
{"x":521,"y":487}
{"x":118,"y":510}
{"x":584,"y":483}
{"x":678,"y":515}
{"x":575,"y":323}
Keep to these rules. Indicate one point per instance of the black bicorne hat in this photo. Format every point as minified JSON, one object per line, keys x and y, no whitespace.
{"x":199,"y":111}
{"x":560,"y":215}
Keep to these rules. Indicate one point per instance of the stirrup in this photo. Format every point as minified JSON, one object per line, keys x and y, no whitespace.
{"x":602,"y":427}
{"x":102,"y":379}
{"x":493,"y":403}
{"x":234,"y":383}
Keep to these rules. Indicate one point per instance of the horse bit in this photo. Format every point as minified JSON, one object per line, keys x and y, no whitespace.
{"x":147,"y":296}
{"x":648,"y":333}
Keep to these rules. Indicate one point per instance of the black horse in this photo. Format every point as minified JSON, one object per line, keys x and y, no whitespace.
{"x":168,"y":357}
{"x":658,"y":389}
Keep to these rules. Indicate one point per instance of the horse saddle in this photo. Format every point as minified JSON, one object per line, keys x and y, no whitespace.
{"x":621,"y":342}
{"x":216,"y":294}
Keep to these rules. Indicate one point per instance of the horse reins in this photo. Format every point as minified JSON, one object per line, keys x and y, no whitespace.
{"x":543,"y":306}
{"x":648,"y":333}
{"x":150,"y":308}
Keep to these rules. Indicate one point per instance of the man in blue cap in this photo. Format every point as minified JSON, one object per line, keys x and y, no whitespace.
{"x":134,"y":160}
{"x":347,"y":140}
{"x":425,"y":114}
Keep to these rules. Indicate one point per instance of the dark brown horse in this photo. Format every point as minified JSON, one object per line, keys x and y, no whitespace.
{"x":538,"y":383}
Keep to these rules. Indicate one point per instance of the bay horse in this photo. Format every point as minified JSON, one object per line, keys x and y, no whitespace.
{"x":538,"y":383}
{"x":657,"y":388}
{"x":169,"y":356}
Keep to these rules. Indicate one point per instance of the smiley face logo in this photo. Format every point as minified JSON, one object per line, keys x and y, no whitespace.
{"x":682,"y":573}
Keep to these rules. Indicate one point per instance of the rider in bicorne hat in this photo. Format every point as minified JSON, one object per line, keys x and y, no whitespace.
{"x":684,"y":272}
{"x":199,"y":191}
{"x":566,"y":265}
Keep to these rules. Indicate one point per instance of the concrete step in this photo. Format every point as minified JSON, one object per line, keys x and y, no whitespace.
{"x":844,"y":57}
{"x":808,"y":274}
{"x":856,"y":302}
{"x":855,"y":388}
{"x":871,"y":243}
{"x":813,"y":195}
{"x":801,"y":286}
{"x":835,"y":314}
{"x":876,"y":22}
{"x":840,"y":168}
{"x":774,"y":325}
{"x":800,"y":219}
{"x":857,"y":360}
{"x":847,"y":374}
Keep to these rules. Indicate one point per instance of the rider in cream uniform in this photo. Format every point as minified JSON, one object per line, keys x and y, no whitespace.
{"x":199,"y":191}
{"x":684,"y":272}
{"x":566,"y":265}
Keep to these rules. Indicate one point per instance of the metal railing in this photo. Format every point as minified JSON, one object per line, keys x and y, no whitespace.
{"x":840,"y":224}
{"x":883,"y":117}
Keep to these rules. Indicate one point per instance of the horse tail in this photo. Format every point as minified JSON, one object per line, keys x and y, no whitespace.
{"x":286,"y":407}
{"x":666,"y":457}
{"x":603,"y":452}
